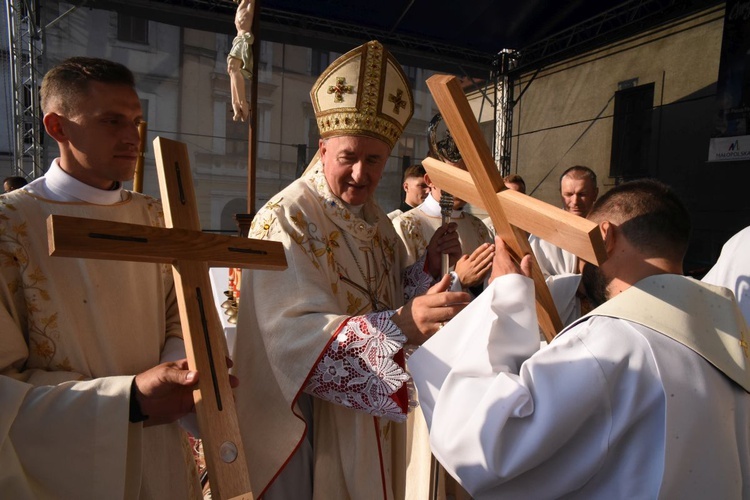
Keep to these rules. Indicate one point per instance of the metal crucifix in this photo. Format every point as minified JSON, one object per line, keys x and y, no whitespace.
{"x":511,"y":212}
{"x":190,"y":252}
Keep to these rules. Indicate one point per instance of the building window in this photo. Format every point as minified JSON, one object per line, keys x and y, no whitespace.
{"x":631,"y":133}
{"x":319,"y":61}
{"x":132,"y":29}
{"x":411,"y":74}
{"x":406,"y":145}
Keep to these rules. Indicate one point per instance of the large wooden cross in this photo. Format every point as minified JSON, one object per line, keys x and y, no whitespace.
{"x":189,"y":251}
{"x":511,"y":212}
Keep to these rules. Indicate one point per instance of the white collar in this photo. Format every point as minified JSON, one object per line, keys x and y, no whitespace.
{"x":431,"y":207}
{"x":357,"y":210}
{"x":58,"y":185}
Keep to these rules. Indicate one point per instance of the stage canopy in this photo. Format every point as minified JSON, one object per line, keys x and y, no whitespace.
{"x":457,"y":37}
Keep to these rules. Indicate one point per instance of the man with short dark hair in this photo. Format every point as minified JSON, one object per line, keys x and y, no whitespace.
{"x":417,"y":226}
{"x":578,"y":190}
{"x":515,"y":182}
{"x":415,"y":189}
{"x":646,"y":397}
{"x":14,"y":182}
{"x":92,"y":408}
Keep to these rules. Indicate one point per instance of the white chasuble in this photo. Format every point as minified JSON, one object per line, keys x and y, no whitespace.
{"x":612,"y":408}
{"x":73,"y":333}
{"x":552,"y":259}
{"x":732,"y":270}
{"x":560,"y":269}
{"x":314,"y":329}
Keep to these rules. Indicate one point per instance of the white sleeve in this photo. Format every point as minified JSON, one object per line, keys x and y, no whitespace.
{"x":465,"y":338}
{"x":500,"y":422}
{"x":732,"y":270}
{"x":564,"y":289}
{"x":54,"y":439}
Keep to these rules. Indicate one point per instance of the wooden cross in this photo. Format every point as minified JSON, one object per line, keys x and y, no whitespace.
{"x":190,"y":251}
{"x":511,"y":212}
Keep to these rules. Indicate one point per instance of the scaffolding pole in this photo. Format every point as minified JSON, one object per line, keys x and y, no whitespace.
{"x":504,"y":63}
{"x":26,"y":48}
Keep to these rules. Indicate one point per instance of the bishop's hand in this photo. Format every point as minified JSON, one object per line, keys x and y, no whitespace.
{"x":422,"y":316}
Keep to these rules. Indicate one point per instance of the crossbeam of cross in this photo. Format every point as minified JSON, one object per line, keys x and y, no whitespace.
{"x":511,"y":212}
{"x":190,"y":251}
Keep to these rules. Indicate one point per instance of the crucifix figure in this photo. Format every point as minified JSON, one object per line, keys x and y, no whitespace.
{"x":190,"y":252}
{"x":240,"y":58}
{"x":511,"y":212}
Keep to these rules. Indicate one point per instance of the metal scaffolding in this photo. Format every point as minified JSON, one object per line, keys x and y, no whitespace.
{"x":25,"y":50}
{"x":504,"y":63}
{"x":26,"y":37}
{"x":626,"y":19}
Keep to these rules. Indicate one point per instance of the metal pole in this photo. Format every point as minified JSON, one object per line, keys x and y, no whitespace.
{"x":25,"y":45}
{"x":507,"y":59}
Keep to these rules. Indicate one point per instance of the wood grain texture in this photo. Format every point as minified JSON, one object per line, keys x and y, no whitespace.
{"x":205,"y":342}
{"x":487,"y":182}
{"x":98,"y":239}
{"x":575,"y":234}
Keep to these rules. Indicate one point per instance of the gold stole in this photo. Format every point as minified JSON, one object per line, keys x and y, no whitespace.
{"x":702,"y":317}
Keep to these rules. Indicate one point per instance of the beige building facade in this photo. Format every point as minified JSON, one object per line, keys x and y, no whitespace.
{"x":567,"y":116}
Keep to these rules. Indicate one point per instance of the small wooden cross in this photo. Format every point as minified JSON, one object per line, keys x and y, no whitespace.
{"x":509,"y":210}
{"x":189,"y":250}
{"x":340,"y":89}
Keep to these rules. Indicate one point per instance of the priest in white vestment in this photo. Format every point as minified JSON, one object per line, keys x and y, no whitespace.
{"x":732,"y":270}
{"x":417,"y":226}
{"x":578,"y":192}
{"x":320,"y":346}
{"x":646,"y":397}
{"x":83,"y":389}
{"x":415,"y":190}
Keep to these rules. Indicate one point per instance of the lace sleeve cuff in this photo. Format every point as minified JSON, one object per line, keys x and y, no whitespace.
{"x":416,"y":280}
{"x":361,"y":369}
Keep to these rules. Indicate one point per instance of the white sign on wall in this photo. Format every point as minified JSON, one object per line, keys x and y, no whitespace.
{"x":729,"y":148}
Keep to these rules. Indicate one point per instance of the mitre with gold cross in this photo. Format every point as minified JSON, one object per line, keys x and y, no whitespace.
{"x":190,"y":252}
{"x":511,"y":211}
{"x":363,"y":92}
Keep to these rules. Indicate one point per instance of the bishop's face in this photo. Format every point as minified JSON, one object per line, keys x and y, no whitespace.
{"x":353,"y":166}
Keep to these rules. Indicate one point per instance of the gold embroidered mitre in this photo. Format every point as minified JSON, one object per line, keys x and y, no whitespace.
{"x":363,"y":92}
